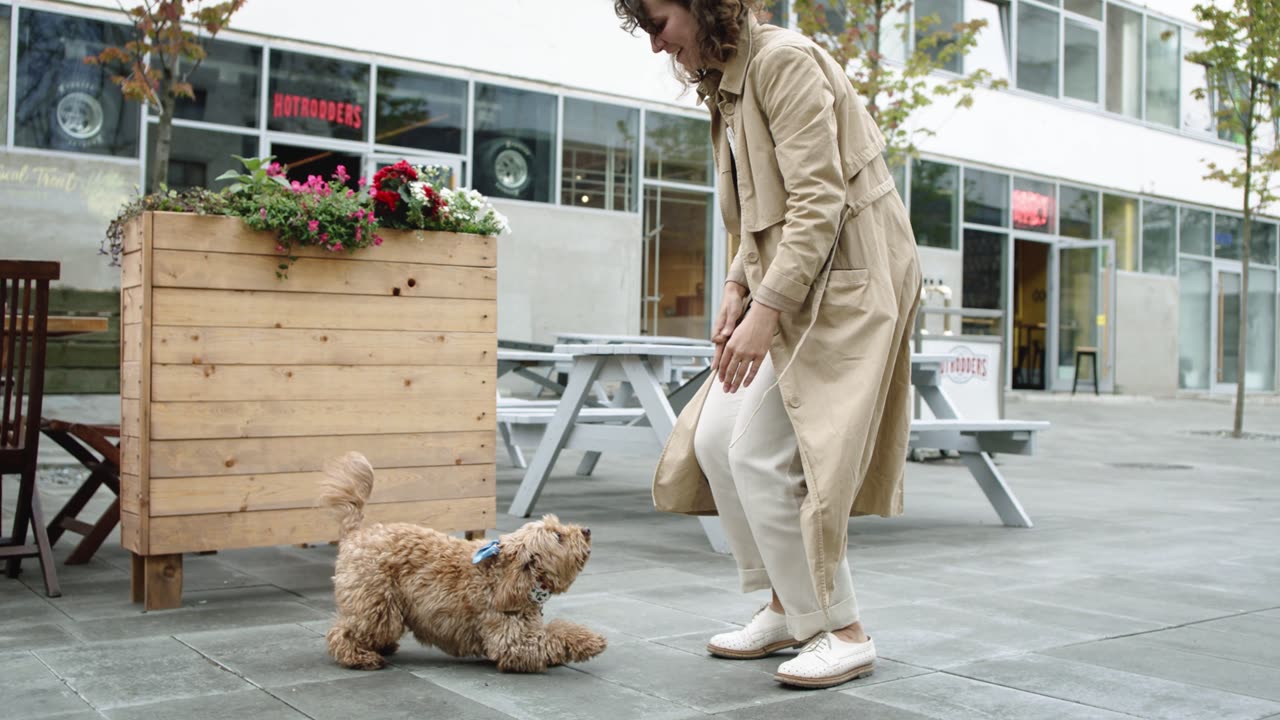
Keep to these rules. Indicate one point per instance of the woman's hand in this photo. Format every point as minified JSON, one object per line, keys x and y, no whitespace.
{"x":735,"y":297}
{"x":740,"y":360}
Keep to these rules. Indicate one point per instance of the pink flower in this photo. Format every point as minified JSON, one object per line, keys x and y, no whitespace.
{"x":341,"y":174}
{"x":362,"y":182}
{"x":274,"y":170}
{"x":313,"y":225}
{"x":262,"y":213}
{"x":280,"y":249}
{"x":377,"y":239}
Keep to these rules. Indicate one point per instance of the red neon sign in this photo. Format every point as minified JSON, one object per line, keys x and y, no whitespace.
{"x":1031,"y":209}
{"x":285,"y":106}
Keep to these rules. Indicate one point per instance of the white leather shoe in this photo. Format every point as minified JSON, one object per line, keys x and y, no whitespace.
{"x":828,"y":661}
{"x":766,"y":634}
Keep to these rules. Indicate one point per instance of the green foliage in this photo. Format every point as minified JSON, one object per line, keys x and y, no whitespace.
{"x":200,"y":201}
{"x":856,"y":32}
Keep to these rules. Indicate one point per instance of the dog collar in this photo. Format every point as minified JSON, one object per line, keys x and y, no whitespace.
{"x":485,"y":552}
{"x":539,"y":595}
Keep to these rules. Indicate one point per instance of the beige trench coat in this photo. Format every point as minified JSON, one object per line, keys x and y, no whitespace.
{"x":809,"y":165}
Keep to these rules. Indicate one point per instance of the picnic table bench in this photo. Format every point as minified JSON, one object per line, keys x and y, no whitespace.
{"x":567,"y":423}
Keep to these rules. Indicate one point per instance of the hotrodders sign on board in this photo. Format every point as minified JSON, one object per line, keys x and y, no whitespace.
{"x":970,"y":376}
{"x":318,"y":96}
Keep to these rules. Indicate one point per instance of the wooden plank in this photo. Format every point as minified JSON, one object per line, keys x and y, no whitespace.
{"x":131,"y":306}
{"x":77,"y":301}
{"x":130,"y":531}
{"x":162,"y":583}
{"x":195,"y":533}
{"x":134,"y":232}
{"x":185,"y":231}
{"x":81,"y":381}
{"x":130,"y":452}
{"x":215,"y":383}
{"x":131,"y":380}
{"x":131,"y":343}
{"x":142,"y":420}
{"x":82,"y":354}
{"x":131,"y":270}
{"x":280,"y":491}
{"x":248,"y":308}
{"x":130,"y":498}
{"x":192,"y":420}
{"x":333,"y":275}
{"x":131,"y":418}
{"x":266,"y":346}
{"x":243,"y":456}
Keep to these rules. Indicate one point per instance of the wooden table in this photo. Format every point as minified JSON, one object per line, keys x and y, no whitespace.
{"x":64,"y":325}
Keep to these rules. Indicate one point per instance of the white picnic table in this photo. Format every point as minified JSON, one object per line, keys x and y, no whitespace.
{"x":645,"y":369}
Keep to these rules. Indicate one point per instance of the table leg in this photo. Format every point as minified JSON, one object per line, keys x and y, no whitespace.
{"x":581,"y":378}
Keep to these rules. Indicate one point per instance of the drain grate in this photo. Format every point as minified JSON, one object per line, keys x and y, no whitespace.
{"x":1150,"y":466}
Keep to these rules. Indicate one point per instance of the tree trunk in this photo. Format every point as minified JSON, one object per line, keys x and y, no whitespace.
{"x":164,"y":143}
{"x":1237,"y":429}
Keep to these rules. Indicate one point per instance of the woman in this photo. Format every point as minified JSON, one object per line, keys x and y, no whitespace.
{"x":807,"y":415}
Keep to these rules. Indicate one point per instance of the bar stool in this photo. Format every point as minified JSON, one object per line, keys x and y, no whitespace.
{"x":1083,"y":352}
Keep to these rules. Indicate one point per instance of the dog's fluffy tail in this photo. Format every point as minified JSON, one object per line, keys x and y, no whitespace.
{"x":346,"y":488}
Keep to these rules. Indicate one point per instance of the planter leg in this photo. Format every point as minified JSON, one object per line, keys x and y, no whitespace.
{"x":162,"y":582}
{"x":137,"y":578}
{"x":474,"y":534}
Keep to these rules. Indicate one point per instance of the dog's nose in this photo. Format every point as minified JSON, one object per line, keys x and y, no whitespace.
{"x":586,"y":533}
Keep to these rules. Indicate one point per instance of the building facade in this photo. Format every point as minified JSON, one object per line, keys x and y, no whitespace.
{"x":1073,"y":201}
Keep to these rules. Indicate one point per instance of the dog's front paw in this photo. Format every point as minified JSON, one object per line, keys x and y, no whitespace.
{"x":580,"y":644}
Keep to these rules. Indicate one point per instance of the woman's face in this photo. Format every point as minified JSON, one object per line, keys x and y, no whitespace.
{"x":675,"y":32}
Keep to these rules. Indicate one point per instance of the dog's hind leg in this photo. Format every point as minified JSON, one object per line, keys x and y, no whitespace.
{"x":360,"y":644}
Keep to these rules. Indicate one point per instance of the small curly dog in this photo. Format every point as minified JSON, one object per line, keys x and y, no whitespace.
{"x":467,"y":597}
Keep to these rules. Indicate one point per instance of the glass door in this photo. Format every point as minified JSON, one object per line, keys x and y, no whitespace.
{"x":676,"y":266}
{"x":1226,"y":335}
{"x":377,"y":161}
{"x":1085,"y":312}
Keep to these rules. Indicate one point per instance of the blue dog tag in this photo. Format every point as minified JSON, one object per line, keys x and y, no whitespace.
{"x":484,"y":553}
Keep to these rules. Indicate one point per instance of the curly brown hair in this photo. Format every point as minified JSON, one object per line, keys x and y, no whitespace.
{"x":720,"y":23}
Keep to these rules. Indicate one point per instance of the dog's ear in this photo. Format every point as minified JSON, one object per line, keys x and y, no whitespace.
{"x":512,"y":591}
{"x":522,"y":554}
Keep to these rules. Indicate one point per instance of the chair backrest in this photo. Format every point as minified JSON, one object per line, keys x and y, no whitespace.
{"x":24,"y":305}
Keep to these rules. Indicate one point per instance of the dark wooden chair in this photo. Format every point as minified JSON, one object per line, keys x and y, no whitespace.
{"x":24,"y":305}
{"x":82,"y":441}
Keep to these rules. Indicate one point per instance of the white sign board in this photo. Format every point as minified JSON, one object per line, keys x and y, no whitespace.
{"x":970,"y":378}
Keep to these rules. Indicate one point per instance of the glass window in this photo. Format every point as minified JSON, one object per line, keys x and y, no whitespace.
{"x":947,"y":12}
{"x":421,"y":111}
{"x":1077,"y":212}
{"x":1124,"y":61}
{"x":1197,"y":115}
{"x":1260,"y":355}
{"x":677,"y":148}
{"x":60,"y":102}
{"x":1159,"y":239}
{"x":1196,"y":232}
{"x":225,"y":86}
{"x":1262,"y":243}
{"x":601,"y":143}
{"x":893,"y":32}
{"x":1080,"y":47}
{"x":677,"y":268}
{"x":4,"y":73}
{"x":1227,"y":232}
{"x":320,"y":96}
{"x":1162,"y":72}
{"x":775,"y":13}
{"x":935,"y":208}
{"x":1194,"y":322}
{"x":1033,"y":205}
{"x":986,"y":197}
{"x":991,"y":52}
{"x":1037,"y":49}
{"x":515,"y":143}
{"x":1120,"y":223}
{"x":200,"y":156}
{"x":303,"y":161}
{"x":900,"y":179}
{"x":984,"y":271}
{"x":1089,"y":8}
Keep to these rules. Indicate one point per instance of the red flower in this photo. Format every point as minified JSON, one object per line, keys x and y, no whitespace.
{"x":388,"y":198}
{"x":400,"y":173}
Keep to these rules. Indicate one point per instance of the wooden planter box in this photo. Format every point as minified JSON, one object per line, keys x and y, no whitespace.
{"x":237,"y":386}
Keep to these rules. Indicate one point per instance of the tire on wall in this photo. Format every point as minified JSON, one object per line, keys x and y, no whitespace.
{"x":85,"y":110}
{"x":505,"y":168}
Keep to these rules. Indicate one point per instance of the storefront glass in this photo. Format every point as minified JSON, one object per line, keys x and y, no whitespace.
{"x":61,"y":103}
{"x":1162,"y":61}
{"x":1120,"y":223}
{"x":1124,"y":60}
{"x":991,"y":52}
{"x":319,"y":96}
{"x":1262,"y":246}
{"x":677,"y":148}
{"x":4,"y":73}
{"x":225,"y":86}
{"x":1196,"y":232}
{"x":601,"y":145}
{"x":1195,"y":278}
{"x":1033,"y":205}
{"x":515,"y":143}
{"x":1159,"y":239}
{"x":421,"y":111}
{"x":677,"y":262}
{"x":986,"y":198}
{"x":984,"y":272}
{"x":1081,"y":45}
{"x":948,"y":14}
{"x":199,"y":156}
{"x":1260,"y":367}
{"x":935,"y":206}
{"x":1228,"y":236}
{"x":1077,"y":212}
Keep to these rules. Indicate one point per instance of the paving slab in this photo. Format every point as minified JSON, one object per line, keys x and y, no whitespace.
{"x":32,"y":690}
{"x":388,"y":694}
{"x":249,"y":704}
{"x":1117,"y":690}
{"x":948,"y":697}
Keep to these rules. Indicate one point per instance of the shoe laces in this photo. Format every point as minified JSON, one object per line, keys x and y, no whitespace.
{"x":819,"y":642}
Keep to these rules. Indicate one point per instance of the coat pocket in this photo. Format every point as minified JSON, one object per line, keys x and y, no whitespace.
{"x":845,"y":286}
